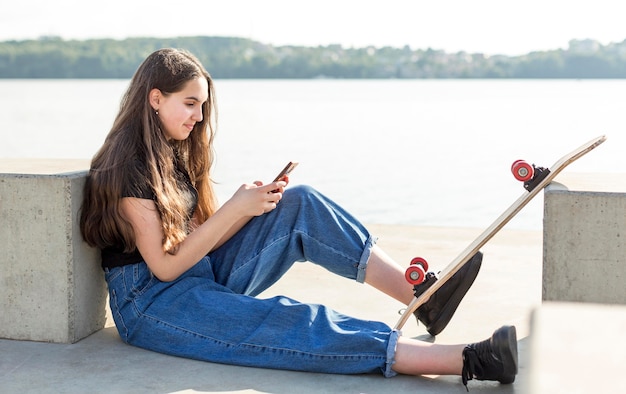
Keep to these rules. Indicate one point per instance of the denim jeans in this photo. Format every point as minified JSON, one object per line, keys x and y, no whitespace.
{"x":211,"y":313}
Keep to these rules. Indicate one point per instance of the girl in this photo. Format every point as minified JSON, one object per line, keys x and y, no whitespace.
{"x":183,"y":273}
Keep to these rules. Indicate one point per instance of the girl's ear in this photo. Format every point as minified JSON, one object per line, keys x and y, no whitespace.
{"x":155,"y":98}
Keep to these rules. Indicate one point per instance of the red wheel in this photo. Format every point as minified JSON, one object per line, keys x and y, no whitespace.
{"x":522,"y":171}
{"x":415,"y":274}
{"x":420,"y":261}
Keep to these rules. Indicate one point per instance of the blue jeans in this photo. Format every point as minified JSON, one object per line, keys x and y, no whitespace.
{"x":210,"y":312}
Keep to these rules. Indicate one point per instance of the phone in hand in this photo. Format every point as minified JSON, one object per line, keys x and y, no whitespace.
{"x":285,"y":172}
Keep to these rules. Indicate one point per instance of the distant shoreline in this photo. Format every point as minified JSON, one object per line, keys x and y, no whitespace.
{"x":241,"y":58}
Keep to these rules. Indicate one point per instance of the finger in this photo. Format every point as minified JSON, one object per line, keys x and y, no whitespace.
{"x":275,"y":197}
{"x":270,"y":208}
{"x":277,"y":186}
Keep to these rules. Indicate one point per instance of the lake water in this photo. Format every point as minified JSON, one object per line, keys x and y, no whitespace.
{"x":416,"y":152}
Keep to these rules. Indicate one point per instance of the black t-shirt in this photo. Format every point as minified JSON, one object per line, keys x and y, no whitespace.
{"x":136,"y":184}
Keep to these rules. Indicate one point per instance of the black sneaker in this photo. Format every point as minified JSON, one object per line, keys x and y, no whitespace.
{"x":492,"y":359}
{"x":436,"y":313}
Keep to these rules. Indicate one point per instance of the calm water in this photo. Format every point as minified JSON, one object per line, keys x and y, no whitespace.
{"x":423,"y":152}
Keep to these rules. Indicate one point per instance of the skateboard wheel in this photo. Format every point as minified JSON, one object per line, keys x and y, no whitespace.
{"x":522,"y":171}
{"x":420,"y":261}
{"x":415,"y":274}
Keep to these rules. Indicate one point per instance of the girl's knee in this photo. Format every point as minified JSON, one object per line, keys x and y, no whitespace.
{"x":300,"y":192}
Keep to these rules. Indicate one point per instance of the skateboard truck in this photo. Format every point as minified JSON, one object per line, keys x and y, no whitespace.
{"x":429,"y":279}
{"x":540,"y":174}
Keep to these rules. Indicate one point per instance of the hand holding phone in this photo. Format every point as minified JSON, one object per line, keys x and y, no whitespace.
{"x":285,"y":172}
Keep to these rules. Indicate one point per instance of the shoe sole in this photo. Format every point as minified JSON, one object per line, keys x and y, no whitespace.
{"x":505,"y":341}
{"x":448,"y":311}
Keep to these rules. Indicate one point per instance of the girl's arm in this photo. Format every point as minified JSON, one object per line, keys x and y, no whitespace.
{"x":247,"y":202}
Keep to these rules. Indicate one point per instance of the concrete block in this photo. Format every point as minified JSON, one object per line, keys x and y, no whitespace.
{"x":585,"y":239}
{"x":577,"y":348}
{"x":51,"y":285}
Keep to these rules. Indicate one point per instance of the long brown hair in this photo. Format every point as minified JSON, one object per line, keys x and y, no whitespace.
{"x":136,"y":137}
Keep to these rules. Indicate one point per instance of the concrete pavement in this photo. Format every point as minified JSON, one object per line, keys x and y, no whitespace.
{"x":506,"y":291}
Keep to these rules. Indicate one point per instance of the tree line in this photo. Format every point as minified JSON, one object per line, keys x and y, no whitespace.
{"x":233,"y":57}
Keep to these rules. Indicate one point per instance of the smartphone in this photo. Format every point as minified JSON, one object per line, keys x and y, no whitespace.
{"x":285,"y":172}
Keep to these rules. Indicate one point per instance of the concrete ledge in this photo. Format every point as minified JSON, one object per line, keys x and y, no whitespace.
{"x":43,"y":166}
{"x":577,"y":348}
{"x":585,"y":239}
{"x":52,"y":288}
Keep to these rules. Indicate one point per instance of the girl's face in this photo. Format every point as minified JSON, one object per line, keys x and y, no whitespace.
{"x":180,"y":111}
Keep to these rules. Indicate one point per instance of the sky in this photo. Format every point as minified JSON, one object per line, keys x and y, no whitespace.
{"x":508,"y":27}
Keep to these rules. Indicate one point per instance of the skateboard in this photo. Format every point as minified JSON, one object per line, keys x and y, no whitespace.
{"x":535,"y":179}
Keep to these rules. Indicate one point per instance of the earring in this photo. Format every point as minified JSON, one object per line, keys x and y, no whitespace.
{"x":156,"y":112}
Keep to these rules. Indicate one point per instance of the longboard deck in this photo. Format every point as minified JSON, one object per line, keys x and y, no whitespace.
{"x":496,"y":226}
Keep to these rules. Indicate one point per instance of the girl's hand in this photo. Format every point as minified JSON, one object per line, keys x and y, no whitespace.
{"x":256,"y":199}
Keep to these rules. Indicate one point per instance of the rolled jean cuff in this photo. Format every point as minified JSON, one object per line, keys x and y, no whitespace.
{"x":367,"y":252}
{"x":391,"y":354}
